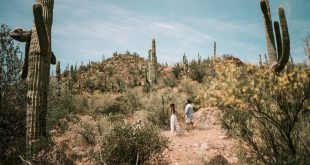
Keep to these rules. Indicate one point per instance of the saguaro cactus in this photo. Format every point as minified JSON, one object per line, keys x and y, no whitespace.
{"x":260,"y":60}
{"x":149,"y":66}
{"x":266,"y":60}
{"x":38,"y":69}
{"x":283,"y":42}
{"x":308,"y":46}
{"x":58,"y":70}
{"x":185,"y":65}
{"x":153,"y":64}
{"x":214,"y":51}
{"x":199,"y":59}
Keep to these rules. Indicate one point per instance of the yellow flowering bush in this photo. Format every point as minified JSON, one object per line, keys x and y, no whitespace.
{"x":270,"y":112}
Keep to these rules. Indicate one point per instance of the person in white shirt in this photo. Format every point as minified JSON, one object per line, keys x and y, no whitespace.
{"x":189,"y":114}
{"x":174,"y":126}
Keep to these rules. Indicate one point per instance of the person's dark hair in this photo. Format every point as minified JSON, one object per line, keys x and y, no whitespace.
{"x":188,"y":101}
{"x":172,"y":108}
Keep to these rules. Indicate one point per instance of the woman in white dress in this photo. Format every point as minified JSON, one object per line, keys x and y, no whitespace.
{"x":173,"y":120}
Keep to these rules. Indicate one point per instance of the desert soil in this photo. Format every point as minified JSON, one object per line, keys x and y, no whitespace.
{"x":207,"y":143}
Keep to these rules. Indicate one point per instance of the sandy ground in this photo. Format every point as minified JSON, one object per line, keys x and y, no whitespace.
{"x":207,"y":143}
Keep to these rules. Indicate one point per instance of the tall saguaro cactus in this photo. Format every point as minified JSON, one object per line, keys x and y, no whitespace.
{"x":37,"y":70}
{"x":153,"y":64}
{"x":269,"y":32}
{"x":308,"y":46}
{"x":214,"y":51}
{"x":58,"y":70}
{"x":283,"y":42}
{"x":185,"y":65}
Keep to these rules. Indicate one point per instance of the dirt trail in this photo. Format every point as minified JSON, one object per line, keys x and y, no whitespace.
{"x":207,"y":143}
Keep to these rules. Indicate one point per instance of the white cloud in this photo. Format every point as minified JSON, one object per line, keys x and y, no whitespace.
{"x":97,"y":28}
{"x":123,"y":29}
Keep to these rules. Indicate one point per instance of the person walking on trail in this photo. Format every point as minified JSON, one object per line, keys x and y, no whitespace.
{"x":173,"y":120}
{"x":189,"y":114}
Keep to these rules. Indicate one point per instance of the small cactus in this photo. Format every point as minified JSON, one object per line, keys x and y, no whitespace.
{"x":283,"y":42}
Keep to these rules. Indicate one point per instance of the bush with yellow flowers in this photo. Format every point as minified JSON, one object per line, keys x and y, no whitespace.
{"x":268,"y":111}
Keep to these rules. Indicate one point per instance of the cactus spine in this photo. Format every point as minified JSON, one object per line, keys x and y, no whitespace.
{"x":283,"y":42}
{"x":38,"y":73}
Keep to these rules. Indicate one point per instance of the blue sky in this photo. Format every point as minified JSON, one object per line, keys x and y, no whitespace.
{"x":86,"y":29}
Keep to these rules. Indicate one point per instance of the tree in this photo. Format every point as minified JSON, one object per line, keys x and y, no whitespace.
{"x":12,"y":99}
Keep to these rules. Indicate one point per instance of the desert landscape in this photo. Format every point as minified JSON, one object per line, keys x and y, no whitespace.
{"x":56,"y":107}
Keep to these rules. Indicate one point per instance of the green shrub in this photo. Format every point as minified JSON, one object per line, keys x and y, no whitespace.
{"x":269,"y":112}
{"x":114,"y":108}
{"x":127,"y":103}
{"x":88,"y":134}
{"x":60,"y":104}
{"x":176,"y":71}
{"x":170,"y":81}
{"x":132,"y":144}
{"x":12,"y":100}
{"x":197,"y":71}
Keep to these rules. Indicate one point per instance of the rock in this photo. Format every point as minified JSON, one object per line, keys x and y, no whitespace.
{"x":219,"y":159}
{"x":196,"y":145}
{"x":235,"y":159}
{"x":223,"y":137}
{"x":204,"y":146}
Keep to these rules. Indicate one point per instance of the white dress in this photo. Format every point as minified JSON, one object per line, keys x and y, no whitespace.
{"x":174,"y":123}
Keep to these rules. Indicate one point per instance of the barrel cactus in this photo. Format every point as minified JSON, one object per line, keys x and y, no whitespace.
{"x":279,"y":57}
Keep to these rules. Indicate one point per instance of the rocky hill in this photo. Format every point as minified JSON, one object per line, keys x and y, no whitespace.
{"x":117,"y":73}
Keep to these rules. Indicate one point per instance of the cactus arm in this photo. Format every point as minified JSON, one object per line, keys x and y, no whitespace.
{"x":278,"y":38}
{"x":40,"y":27}
{"x":23,"y":36}
{"x":285,"y":41}
{"x":269,"y":31}
{"x":53,"y":58}
{"x":20,"y":35}
{"x":25,"y":66}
